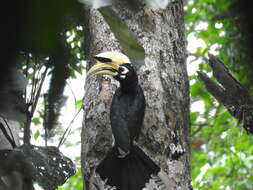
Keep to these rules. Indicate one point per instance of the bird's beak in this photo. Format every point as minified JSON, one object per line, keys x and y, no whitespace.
{"x":104,"y":69}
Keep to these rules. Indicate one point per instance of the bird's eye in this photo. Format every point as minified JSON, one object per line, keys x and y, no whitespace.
{"x":123,"y":70}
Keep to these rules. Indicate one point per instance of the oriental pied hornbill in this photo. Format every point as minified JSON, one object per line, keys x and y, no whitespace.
{"x":125,"y":166}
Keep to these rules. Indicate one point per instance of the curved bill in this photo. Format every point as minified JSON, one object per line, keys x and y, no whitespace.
{"x":103,"y":69}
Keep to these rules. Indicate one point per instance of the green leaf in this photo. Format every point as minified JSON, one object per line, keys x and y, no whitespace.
{"x":79,"y":104}
{"x":36,"y":134}
{"x":36,"y":120}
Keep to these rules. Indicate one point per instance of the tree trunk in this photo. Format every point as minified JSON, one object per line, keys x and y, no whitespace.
{"x":163,"y":78}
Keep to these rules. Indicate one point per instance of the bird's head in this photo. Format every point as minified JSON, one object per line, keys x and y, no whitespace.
{"x":115,"y":64}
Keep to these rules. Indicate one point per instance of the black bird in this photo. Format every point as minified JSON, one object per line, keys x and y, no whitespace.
{"x":125,"y":166}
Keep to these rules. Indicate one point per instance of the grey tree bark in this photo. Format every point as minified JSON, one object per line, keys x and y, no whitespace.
{"x":164,"y":80}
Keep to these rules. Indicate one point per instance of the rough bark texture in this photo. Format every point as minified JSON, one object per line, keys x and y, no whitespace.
{"x":229,"y":92}
{"x":163,"y":78}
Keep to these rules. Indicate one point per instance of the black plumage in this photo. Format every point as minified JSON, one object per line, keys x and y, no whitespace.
{"x":127,"y":110}
{"x":125,"y":166}
{"x":129,"y":173}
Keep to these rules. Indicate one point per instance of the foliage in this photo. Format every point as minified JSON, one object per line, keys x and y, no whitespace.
{"x":221,"y":149}
{"x":75,"y":182}
{"x":35,"y":70}
{"x":45,"y":42}
{"x":51,"y":42}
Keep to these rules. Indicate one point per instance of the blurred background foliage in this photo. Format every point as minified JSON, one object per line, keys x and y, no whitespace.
{"x":222,"y":155}
{"x":222,"y":152}
{"x":74,"y":183}
{"x":44,"y":40}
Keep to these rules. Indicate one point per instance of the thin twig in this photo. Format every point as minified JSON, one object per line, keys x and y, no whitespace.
{"x":72,"y":92}
{"x":5,"y":133}
{"x":68,"y":130}
{"x":10,"y":133}
{"x":39,"y":91}
{"x":26,"y":73}
{"x":34,"y":84}
{"x":27,"y":130}
{"x":200,"y":126}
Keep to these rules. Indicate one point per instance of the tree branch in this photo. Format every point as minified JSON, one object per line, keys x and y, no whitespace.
{"x":229,"y":92}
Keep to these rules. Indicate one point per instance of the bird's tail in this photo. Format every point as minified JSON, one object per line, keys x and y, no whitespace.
{"x":129,"y":173}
